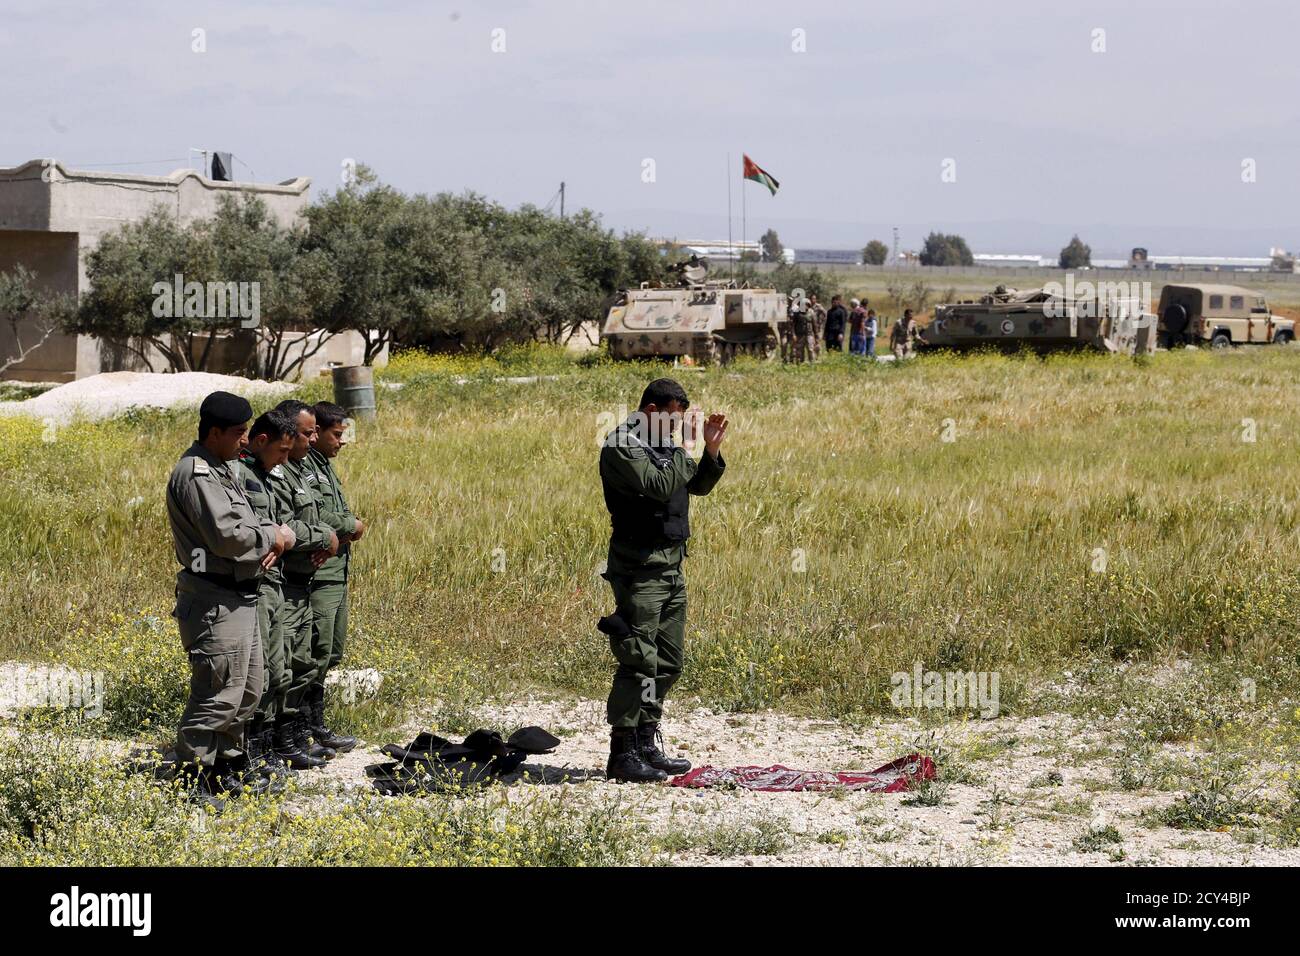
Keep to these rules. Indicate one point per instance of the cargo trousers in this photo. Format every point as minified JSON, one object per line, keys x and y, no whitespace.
{"x":650,"y":658}
{"x":298,"y":632}
{"x":218,"y":629}
{"x":276,"y":673}
{"x":329,"y":610}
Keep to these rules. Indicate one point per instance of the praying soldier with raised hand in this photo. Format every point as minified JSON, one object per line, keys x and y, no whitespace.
{"x":224,"y":549}
{"x":648,"y":481}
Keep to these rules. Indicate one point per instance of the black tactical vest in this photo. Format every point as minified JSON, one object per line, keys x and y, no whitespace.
{"x":644,"y":522}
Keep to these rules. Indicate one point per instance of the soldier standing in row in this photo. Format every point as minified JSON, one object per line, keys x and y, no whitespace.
{"x":224,"y":549}
{"x":329,"y":588}
{"x":263,"y":472}
{"x":648,"y":481}
{"x":293,"y":742}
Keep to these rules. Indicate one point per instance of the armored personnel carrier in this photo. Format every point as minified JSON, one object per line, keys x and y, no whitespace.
{"x":698,"y":319}
{"x":1043,"y":320}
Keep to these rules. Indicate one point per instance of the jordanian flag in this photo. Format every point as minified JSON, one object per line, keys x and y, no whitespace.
{"x":755,"y":172}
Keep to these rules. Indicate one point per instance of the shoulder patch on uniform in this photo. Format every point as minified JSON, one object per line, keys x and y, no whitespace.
{"x":201,"y":467}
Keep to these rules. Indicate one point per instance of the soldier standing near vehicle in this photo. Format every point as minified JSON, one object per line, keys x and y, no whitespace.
{"x":329,"y":588}
{"x":803,"y":337}
{"x":819,"y":325}
{"x":901,"y":336}
{"x":291,"y":740}
{"x":648,"y":481}
{"x":224,"y":549}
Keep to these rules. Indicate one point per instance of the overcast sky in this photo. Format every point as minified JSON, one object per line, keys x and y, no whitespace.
{"x":1142,"y":144}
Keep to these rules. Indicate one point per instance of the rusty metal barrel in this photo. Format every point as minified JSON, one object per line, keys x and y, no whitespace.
{"x":354,"y":389}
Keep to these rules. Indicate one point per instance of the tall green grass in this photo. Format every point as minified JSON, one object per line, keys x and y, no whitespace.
{"x":847,"y":540}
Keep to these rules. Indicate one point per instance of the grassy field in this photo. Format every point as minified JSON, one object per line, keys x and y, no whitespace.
{"x":975,"y":513}
{"x":1114,"y":538}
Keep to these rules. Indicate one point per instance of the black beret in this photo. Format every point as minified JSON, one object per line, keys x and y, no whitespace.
{"x":225,"y":409}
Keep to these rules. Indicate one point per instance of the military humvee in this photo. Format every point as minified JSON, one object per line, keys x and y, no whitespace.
{"x":697,"y":319}
{"x":1222,"y":315}
{"x":1042,"y":320}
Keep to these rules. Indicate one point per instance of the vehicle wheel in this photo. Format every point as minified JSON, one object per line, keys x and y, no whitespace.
{"x":1282,"y":338}
{"x":1175,"y":320}
{"x":1220,"y":340}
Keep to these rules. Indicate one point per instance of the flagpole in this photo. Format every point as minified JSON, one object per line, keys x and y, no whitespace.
{"x":744,"y":231}
{"x":731,"y":247}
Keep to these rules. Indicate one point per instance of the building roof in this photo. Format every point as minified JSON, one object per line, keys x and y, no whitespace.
{"x":1214,"y":288}
{"x":34,"y":168}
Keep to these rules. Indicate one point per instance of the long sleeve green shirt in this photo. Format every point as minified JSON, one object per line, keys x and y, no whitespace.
{"x":627,"y":467}
{"x":279,"y":496}
{"x":318,"y":474}
{"x":214,"y":527}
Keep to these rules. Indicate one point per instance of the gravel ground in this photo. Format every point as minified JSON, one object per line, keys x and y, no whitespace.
{"x":1030,"y":788}
{"x":1028,"y":822}
{"x":111,"y":393}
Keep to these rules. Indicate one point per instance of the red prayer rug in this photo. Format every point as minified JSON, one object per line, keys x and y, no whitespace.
{"x":893,"y":777}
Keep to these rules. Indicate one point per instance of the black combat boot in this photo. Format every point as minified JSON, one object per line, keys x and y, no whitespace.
{"x":304,"y":742}
{"x":197,"y":781}
{"x":287,"y":747}
{"x":276,"y":768}
{"x":649,"y":744}
{"x":340,"y":743}
{"x":253,"y":745}
{"x":625,"y":763}
{"x":236,"y":777}
{"x":262,"y":760}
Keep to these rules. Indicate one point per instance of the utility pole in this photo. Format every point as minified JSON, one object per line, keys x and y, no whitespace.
{"x":895,"y":256}
{"x":561,"y":200}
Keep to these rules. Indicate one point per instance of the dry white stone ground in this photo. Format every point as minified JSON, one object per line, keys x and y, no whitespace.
{"x":1010,"y":817}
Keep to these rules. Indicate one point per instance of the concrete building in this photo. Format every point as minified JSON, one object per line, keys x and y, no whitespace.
{"x":1001,"y":260}
{"x":51,"y":216}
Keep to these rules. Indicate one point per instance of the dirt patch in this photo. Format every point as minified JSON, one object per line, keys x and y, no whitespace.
{"x":1034,"y":791}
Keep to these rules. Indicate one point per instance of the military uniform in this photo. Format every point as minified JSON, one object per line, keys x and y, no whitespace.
{"x":819,"y":328}
{"x":900,"y":338}
{"x":219,"y":542}
{"x":647,"y":493}
{"x":804,"y":332}
{"x":272,"y":495}
{"x":329,"y":586}
{"x":299,"y":575}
